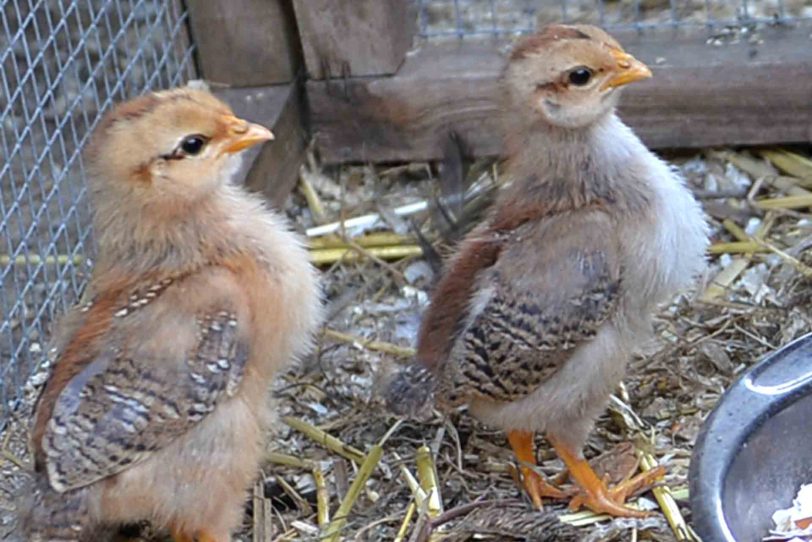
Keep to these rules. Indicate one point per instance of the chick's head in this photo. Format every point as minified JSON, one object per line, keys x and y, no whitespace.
{"x":171,"y":146}
{"x":569,"y":76}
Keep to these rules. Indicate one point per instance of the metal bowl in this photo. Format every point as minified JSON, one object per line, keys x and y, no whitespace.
{"x":755,"y":449}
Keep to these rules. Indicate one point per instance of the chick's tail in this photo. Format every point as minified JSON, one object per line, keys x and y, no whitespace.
{"x":44,"y":515}
{"x":411,"y":391}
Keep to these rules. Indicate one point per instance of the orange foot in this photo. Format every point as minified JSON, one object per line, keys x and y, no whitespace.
{"x":534,"y":484}
{"x":594,"y":493}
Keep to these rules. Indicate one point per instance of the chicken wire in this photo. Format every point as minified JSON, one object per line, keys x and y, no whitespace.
{"x":63,"y":63}
{"x":500,"y":18}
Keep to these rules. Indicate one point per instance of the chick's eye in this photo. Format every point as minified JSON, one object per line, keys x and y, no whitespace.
{"x":580,"y":76}
{"x":193,"y":144}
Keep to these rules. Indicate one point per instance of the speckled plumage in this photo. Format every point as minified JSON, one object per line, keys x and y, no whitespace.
{"x":158,"y":402}
{"x":542,"y":305}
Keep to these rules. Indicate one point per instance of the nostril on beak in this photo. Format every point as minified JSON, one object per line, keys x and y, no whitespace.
{"x":239,"y":128}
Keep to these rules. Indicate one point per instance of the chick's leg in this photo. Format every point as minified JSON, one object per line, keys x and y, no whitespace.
{"x":535,"y":485}
{"x":595,"y":494}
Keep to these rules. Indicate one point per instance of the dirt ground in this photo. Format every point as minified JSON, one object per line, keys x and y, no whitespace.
{"x":705,"y":338}
{"x":755,"y":297}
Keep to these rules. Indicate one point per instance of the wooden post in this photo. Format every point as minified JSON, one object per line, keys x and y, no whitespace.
{"x":249,"y":51}
{"x":245,"y":43}
{"x":341,"y":38}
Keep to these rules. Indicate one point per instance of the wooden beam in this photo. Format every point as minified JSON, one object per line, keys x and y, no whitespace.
{"x":701,"y":95}
{"x":355,"y":37}
{"x":272,"y":169}
{"x":245,"y":42}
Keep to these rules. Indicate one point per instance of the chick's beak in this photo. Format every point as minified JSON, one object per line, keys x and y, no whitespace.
{"x":628,"y":70}
{"x":243,"y":134}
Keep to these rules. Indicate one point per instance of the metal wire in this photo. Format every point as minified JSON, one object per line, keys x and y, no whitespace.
{"x":63,"y":63}
{"x":504,"y":18}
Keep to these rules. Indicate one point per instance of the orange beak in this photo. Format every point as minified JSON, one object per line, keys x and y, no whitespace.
{"x":628,"y":70}
{"x":243,"y":134}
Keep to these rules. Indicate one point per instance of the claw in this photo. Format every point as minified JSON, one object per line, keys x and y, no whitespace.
{"x":594,"y":492}
{"x":534,"y":484}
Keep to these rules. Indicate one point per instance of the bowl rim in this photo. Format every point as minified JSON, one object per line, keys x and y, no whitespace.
{"x":723,"y":433}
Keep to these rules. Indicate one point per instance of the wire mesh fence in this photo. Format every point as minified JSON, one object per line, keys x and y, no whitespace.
{"x":63,"y":63}
{"x":504,"y":18}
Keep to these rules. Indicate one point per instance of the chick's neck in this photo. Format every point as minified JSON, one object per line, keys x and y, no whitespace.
{"x":149,"y":238}
{"x":567,"y":168}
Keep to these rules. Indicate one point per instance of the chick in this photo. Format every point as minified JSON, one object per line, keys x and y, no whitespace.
{"x":157,"y":407}
{"x":543,"y":304}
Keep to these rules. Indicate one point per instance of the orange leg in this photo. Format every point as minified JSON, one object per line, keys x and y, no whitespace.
{"x":594,"y":493}
{"x":535,"y":485}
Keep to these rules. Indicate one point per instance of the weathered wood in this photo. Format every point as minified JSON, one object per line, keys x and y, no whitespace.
{"x":355,"y":37}
{"x":245,"y":42}
{"x":272,"y":169}
{"x":701,"y":95}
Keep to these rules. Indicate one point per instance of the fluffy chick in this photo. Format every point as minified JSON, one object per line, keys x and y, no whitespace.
{"x":543,"y":304}
{"x":157,"y":406}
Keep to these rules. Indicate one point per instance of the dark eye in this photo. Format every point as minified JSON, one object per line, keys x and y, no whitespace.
{"x":193,"y":144}
{"x":580,"y":76}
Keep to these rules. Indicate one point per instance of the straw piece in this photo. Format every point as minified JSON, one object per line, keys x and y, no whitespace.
{"x":582,"y":519}
{"x":724,"y":279}
{"x":790,"y":185}
{"x":792,"y":164}
{"x":376,"y":239}
{"x":333,"y":532}
{"x":312,"y":198}
{"x":328,"y":441}
{"x":291,"y":492}
{"x":407,"y":519}
{"x":787,"y":202}
{"x":735,"y":230}
{"x":666,"y":501}
{"x":736,"y":247}
{"x":288,"y":460}
{"x":360,"y":223}
{"x":757,"y":169}
{"x":417,"y":491}
{"x":263,"y":527}
{"x":428,"y":481}
{"x":680,"y":494}
{"x":324,"y":256}
{"x":322,"y":498}
{"x":367,"y":344}
{"x":802,"y":268}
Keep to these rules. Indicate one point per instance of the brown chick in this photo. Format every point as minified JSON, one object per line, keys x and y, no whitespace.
{"x":542,"y":305}
{"x":158,"y":403}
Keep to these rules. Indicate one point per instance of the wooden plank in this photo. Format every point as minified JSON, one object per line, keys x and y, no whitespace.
{"x":245,"y":42}
{"x":355,"y":37}
{"x":701,"y":95}
{"x":272,"y":169}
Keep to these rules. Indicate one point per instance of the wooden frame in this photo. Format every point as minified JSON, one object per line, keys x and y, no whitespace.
{"x":369,"y":99}
{"x":249,"y":51}
{"x":701,"y":95}
{"x":342,"y":38}
{"x":245,"y":43}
